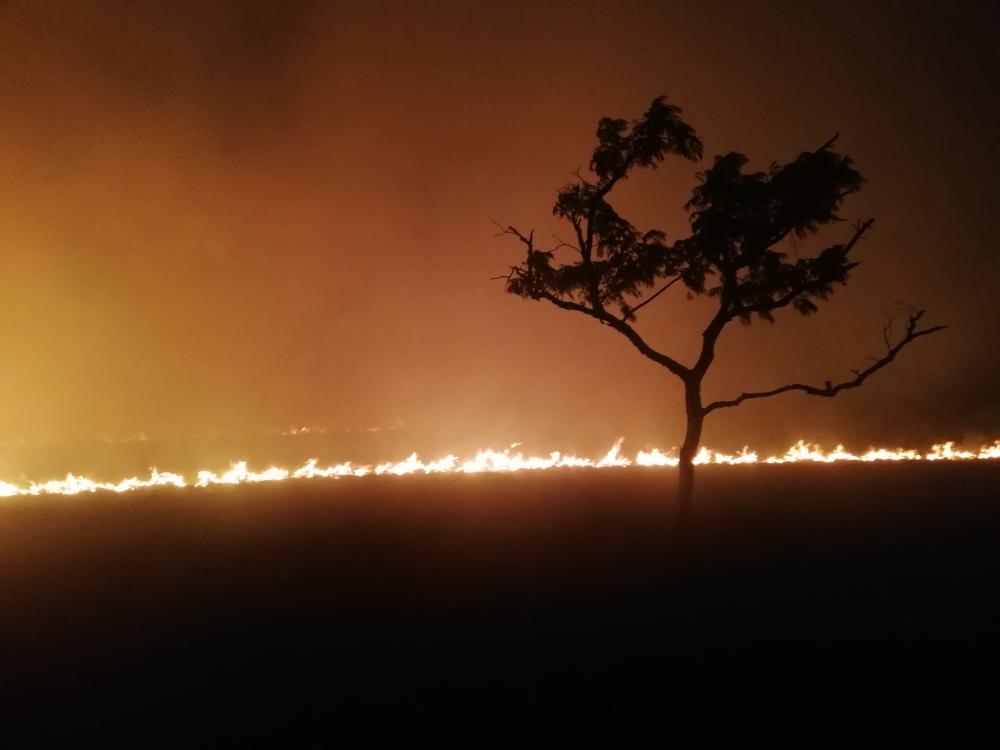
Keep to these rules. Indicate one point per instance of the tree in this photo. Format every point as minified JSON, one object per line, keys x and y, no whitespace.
{"x":739,"y":221}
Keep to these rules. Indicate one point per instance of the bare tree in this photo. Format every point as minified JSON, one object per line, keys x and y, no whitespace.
{"x":738,"y":221}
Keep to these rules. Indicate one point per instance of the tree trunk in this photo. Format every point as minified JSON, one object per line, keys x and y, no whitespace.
{"x":689,"y":449}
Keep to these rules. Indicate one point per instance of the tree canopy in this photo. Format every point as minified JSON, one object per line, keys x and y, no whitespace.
{"x":738,"y":219}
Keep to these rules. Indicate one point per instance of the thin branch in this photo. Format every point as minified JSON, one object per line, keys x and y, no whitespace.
{"x":828,"y":144}
{"x":830,"y":390}
{"x":887,"y":331}
{"x":505,"y":276}
{"x":529,"y":241}
{"x":665,"y":287}
{"x":561,"y":243}
{"x":578,"y":230}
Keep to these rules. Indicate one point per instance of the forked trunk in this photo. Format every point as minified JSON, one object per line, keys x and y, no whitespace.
{"x":689,"y":449}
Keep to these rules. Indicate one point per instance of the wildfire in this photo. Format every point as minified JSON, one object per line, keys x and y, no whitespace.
{"x":492,"y":461}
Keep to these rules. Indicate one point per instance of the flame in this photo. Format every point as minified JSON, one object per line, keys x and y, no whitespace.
{"x":492,"y":461}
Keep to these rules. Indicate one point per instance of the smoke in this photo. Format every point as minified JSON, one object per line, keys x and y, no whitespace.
{"x":226,"y":218}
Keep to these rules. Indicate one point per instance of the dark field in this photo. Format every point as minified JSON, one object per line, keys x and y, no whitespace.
{"x":809,"y":605}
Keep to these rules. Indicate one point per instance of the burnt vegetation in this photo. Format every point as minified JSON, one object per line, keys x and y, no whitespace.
{"x":803,"y":608}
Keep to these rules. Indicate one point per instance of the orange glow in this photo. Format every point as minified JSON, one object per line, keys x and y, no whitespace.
{"x":492,"y":461}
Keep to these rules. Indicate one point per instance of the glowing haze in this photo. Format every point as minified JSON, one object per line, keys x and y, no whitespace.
{"x":223,"y":217}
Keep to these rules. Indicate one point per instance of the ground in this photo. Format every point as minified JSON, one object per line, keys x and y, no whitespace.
{"x":807,"y":604}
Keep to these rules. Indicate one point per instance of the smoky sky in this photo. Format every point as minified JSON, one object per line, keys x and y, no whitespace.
{"x":240,"y":216}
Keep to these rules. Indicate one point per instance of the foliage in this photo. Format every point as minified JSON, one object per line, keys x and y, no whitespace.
{"x":738,"y":220}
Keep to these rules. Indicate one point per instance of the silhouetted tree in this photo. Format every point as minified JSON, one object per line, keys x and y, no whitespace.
{"x":738,"y":221}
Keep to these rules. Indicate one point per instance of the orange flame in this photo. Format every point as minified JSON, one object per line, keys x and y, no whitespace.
{"x":492,"y":461}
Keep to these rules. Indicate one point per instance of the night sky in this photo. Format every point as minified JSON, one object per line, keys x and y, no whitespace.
{"x":240,"y":216}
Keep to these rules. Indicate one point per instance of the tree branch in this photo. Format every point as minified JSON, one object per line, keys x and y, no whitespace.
{"x":830,"y":390}
{"x":709,"y":337}
{"x":828,"y":144}
{"x":595,"y":310}
{"x":665,"y":287}
{"x":561,"y":243}
{"x":623,"y":328}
